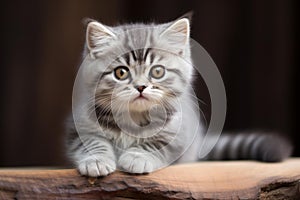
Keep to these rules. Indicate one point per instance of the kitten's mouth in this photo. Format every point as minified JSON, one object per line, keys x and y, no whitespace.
{"x":140,"y":97}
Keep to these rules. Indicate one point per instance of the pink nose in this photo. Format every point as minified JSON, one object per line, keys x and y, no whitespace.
{"x":140,"y":88}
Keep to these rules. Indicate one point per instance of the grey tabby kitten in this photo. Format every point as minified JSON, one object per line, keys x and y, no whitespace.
{"x":140,"y":76}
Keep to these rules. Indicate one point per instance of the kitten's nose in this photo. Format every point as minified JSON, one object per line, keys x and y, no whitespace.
{"x":140,"y":88}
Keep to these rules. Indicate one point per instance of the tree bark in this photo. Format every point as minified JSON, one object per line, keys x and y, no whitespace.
{"x":203,"y":180}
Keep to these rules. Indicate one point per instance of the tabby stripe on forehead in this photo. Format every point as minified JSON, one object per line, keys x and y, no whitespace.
{"x":160,"y":57}
{"x":117,"y":59}
{"x":133,"y":55}
{"x":152,"y":58}
{"x":140,"y":53}
{"x":146,"y":53}
{"x":126,"y":56}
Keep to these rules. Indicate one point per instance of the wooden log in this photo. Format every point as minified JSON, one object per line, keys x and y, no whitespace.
{"x":203,"y":180}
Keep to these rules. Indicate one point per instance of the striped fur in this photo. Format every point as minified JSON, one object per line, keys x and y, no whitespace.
{"x":139,"y":135}
{"x":262,"y":146}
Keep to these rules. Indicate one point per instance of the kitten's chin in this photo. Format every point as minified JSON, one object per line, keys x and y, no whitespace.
{"x":140,"y":104}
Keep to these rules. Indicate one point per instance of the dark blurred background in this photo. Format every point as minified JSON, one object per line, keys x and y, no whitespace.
{"x":253,"y":43}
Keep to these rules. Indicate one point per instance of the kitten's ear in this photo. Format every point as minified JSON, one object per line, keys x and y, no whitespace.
{"x":178,"y":33}
{"x":188,"y":15}
{"x":98,"y":36}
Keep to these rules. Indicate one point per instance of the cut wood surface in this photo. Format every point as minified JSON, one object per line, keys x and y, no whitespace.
{"x":203,"y":180}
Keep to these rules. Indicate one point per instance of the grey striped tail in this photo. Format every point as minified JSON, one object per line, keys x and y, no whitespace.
{"x":254,"y":146}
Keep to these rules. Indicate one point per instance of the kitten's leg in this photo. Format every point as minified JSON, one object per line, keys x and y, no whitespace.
{"x":147,"y":157}
{"x":93,"y":155}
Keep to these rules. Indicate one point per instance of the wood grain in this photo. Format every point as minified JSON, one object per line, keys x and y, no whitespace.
{"x":205,"y":180}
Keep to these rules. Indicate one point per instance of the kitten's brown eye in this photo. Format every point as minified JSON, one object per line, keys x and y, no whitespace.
{"x":122,"y":73}
{"x":157,"y":71}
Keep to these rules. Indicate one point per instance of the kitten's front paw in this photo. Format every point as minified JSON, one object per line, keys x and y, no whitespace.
{"x":94,"y":167}
{"x":137,"y":163}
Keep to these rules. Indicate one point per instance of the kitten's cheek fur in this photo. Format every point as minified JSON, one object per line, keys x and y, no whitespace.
{"x":137,"y":163}
{"x":94,"y":167}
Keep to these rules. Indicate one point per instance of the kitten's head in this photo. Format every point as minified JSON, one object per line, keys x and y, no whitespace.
{"x":139,"y":65}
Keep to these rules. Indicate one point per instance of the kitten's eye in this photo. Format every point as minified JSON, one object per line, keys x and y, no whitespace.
{"x":157,"y":71}
{"x":121,"y":73}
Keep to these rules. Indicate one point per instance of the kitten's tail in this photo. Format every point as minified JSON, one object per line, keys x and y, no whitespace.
{"x":253,"y":146}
